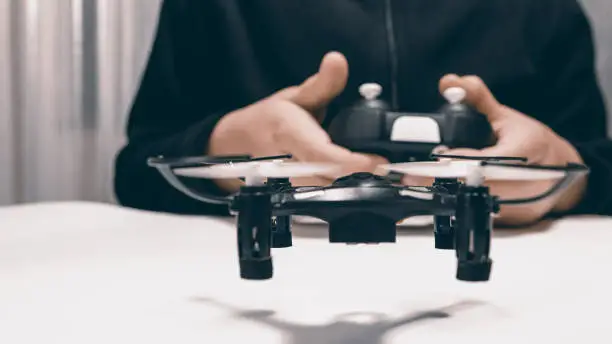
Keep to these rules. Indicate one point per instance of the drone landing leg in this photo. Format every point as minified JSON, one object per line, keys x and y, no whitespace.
{"x":281,"y":225}
{"x":281,"y":232}
{"x":255,"y":233}
{"x":444,"y":233}
{"x":473,"y":233}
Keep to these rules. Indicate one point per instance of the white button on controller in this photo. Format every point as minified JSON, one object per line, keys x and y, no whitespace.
{"x":370,"y":91}
{"x":454,"y":95}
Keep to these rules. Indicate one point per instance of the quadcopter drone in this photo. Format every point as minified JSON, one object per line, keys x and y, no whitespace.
{"x":365,"y":208}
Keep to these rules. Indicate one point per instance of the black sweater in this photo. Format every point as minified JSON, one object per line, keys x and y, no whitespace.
{"x":211,"y":57}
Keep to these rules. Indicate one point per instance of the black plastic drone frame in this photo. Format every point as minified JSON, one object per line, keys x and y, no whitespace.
{"x":363,"y":208}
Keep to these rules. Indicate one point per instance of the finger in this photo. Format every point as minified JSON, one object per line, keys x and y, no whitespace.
{"x":302,"y":136}
{"x":310,"y":181}
{"x":417,"y":181}
{"x":286,"y":93}
{"x":317,"y":147}
{"x":320,"y":89}
{"x":348,"y":162}
{"x":477,"y":93}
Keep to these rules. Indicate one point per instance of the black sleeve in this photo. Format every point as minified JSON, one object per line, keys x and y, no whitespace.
{"x":576,"y":107}
{"x":173,"y":113}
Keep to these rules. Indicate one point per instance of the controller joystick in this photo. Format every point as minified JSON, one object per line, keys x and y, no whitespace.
{"x":454,"y":95}
{"x":371,"y":126}
{"x":370,"y":93}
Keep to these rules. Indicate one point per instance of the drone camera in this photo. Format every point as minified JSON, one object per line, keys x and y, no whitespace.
{"x":362,"y":228}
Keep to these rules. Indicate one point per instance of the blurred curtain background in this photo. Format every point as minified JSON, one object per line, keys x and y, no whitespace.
{"x":68,"y":71}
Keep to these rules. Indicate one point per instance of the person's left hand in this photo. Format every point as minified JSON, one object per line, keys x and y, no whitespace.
{"x":519,"y":135}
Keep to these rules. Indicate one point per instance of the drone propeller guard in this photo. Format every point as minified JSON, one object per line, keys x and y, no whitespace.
{"x":364,"y":208}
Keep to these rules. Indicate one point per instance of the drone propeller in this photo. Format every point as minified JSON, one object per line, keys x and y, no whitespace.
{"x":195,"y":161}
{"x":252,"y":170}
{"x":475,"y":173}
{"x":168,"y":166}
{"x":479,"y":158}
{"x":461,"y":169}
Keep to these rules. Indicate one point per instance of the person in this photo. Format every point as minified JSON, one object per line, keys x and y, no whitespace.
{"x":262,"y":78}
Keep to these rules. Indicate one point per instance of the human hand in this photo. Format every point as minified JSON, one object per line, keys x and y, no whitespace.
{"x":519,"y":135}
{"x":288,"y":122}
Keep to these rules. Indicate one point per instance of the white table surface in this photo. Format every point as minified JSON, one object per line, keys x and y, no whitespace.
{"x":90,"y":273}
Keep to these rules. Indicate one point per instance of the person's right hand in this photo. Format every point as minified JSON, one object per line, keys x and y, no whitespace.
{"x":289,"y":122}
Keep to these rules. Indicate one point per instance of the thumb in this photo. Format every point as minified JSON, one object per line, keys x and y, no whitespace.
{"x":477,"y":94}
{"x":320,"y":89}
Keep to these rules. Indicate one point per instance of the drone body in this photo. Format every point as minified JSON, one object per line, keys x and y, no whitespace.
{"x":363,"y":208}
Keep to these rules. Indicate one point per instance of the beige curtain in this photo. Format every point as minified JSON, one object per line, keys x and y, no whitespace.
{"x":600,"y":12}
{"x":68,"y":71}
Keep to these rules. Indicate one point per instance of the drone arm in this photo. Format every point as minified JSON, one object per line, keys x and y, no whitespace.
{"x":444,"y":232}
{"x":281,"y":225}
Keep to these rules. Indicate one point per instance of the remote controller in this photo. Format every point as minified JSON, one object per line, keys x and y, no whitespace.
{"x":372,"y":126}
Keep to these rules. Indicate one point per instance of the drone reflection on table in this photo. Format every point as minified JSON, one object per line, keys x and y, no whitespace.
{"x":353,"y":328}
{"x":364,"y":208}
